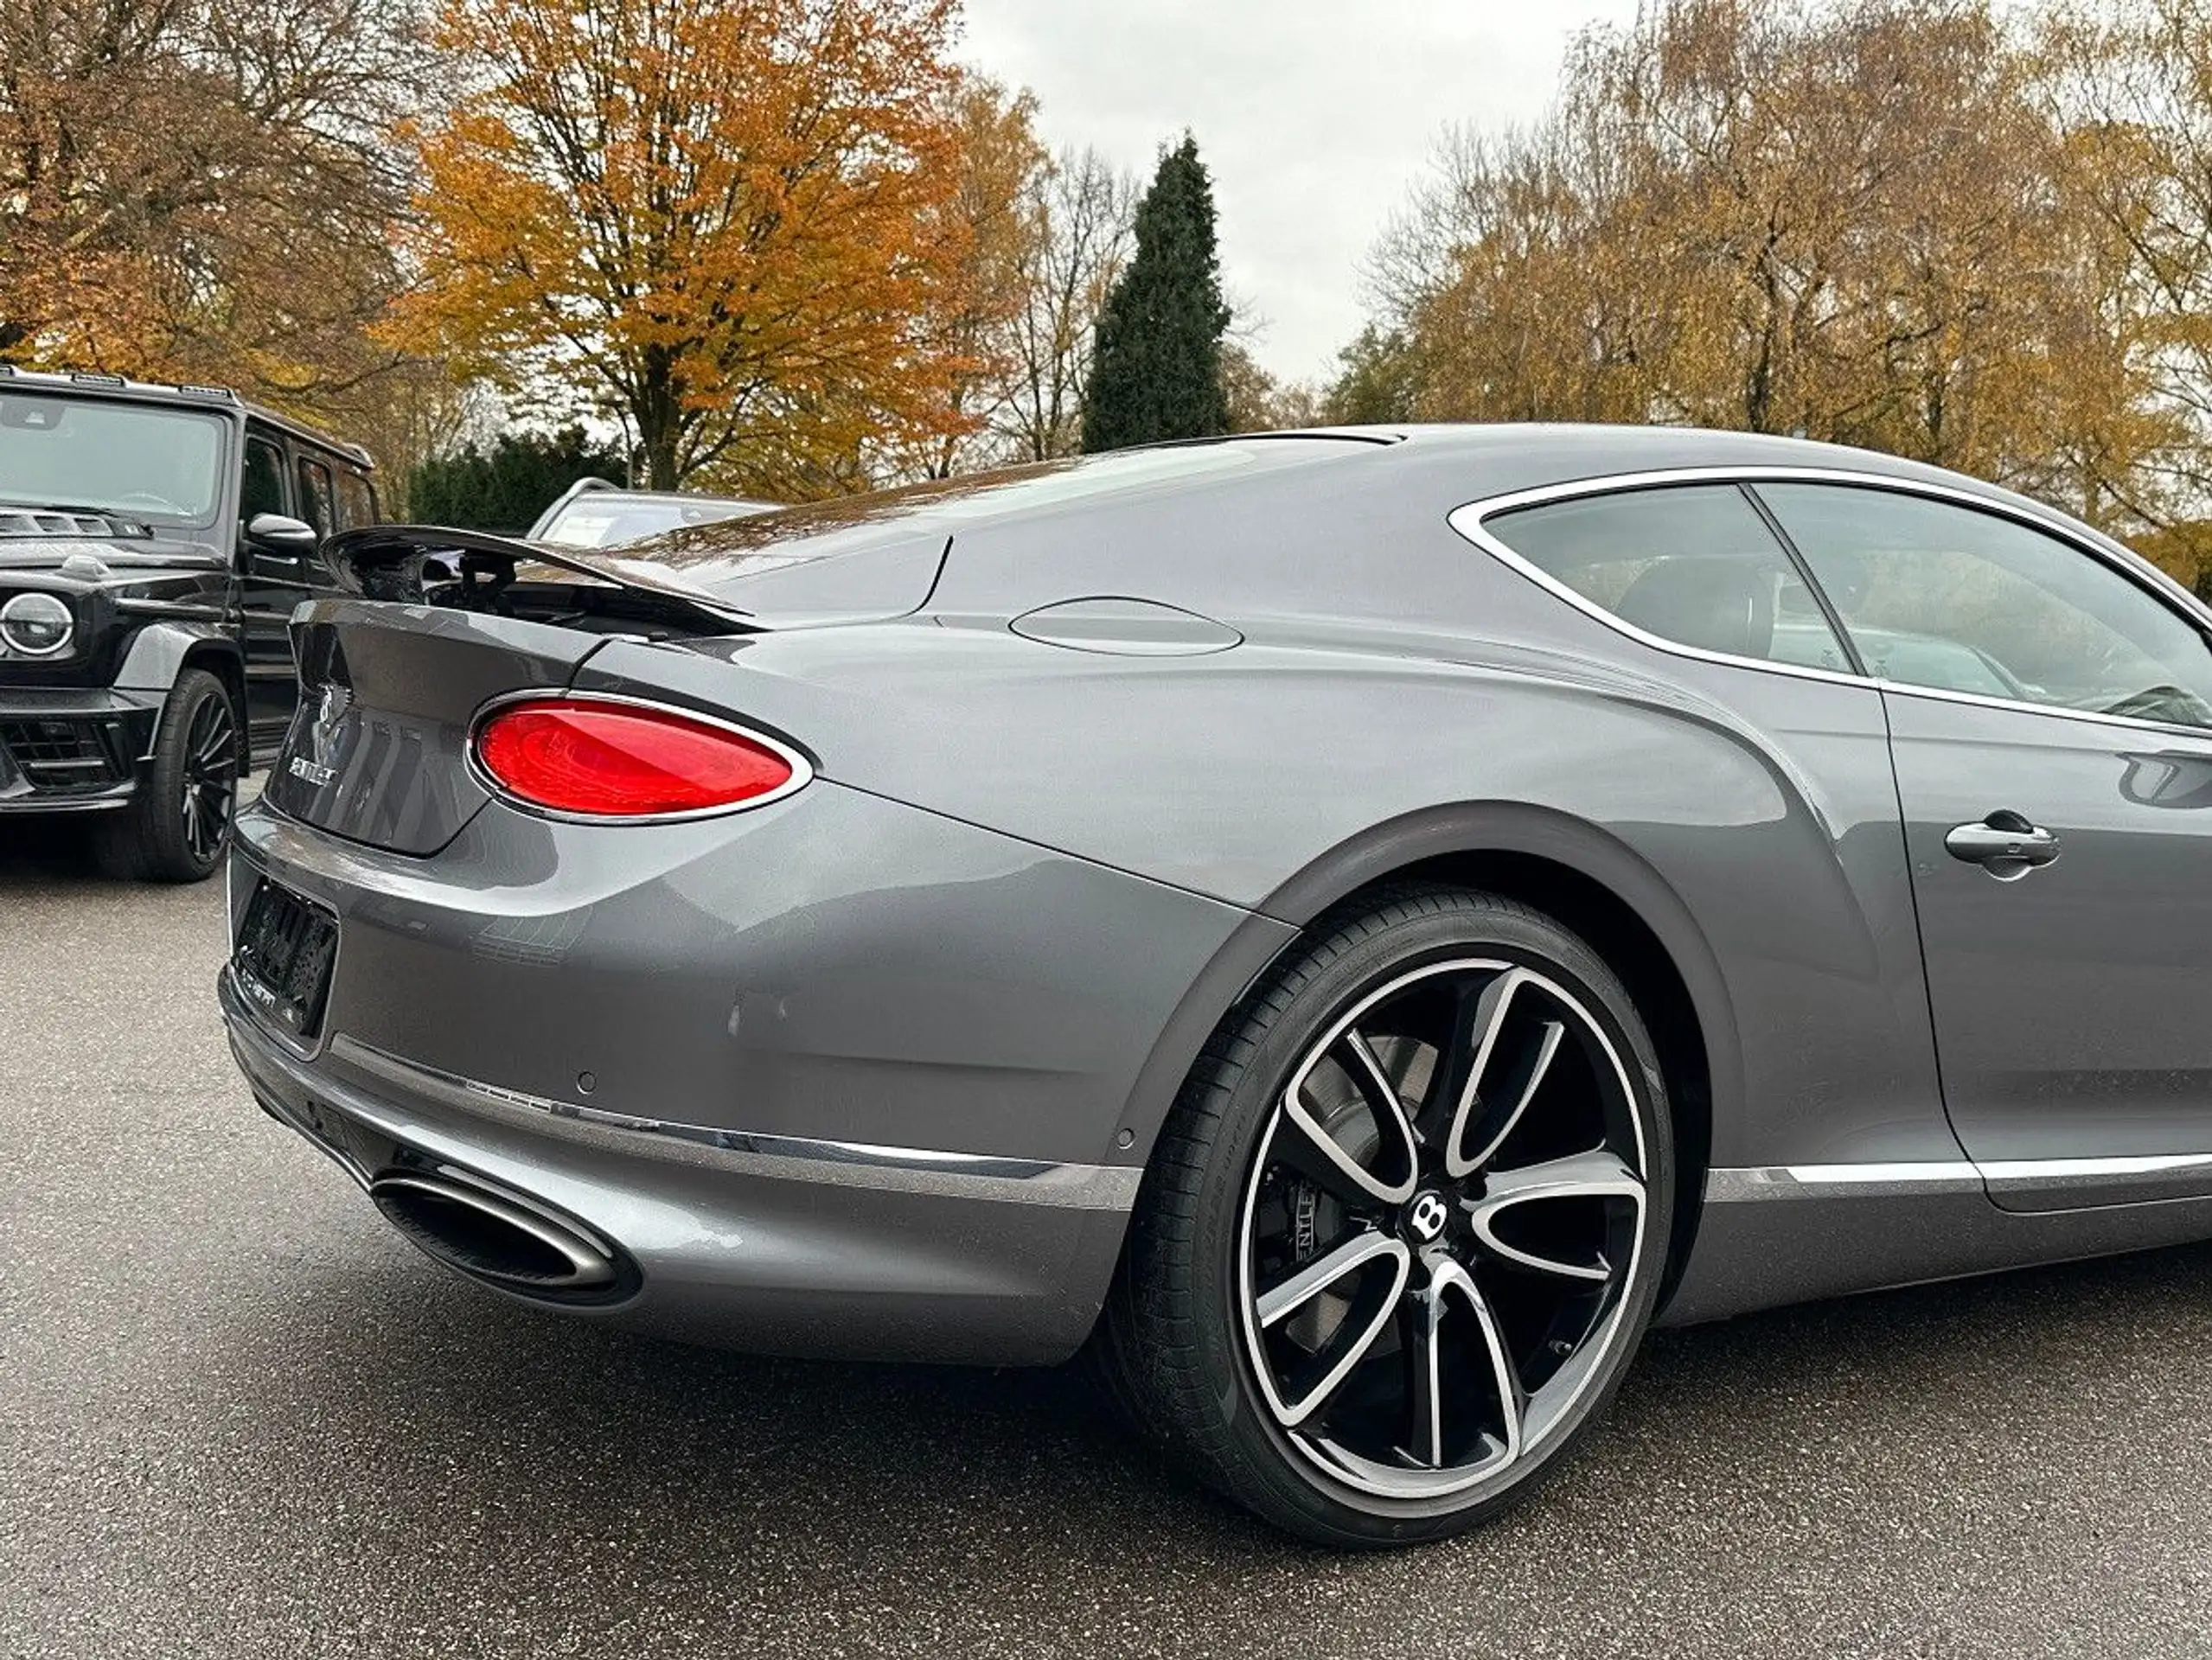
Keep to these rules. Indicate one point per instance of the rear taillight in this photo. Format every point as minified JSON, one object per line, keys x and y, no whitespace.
{"x":600,"y":758}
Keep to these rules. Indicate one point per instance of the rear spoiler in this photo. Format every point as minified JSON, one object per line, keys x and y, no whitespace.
{"x":430,"y":565}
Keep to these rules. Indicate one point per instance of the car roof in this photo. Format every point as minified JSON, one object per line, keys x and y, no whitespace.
{"x":1596,"y":448}
{"x":183,"y":394}
{"x":1451,"y":464}
{"x":1339,"y":475}
{"x":1478,"y":463}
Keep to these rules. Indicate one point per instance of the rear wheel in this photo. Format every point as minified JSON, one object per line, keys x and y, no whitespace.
{"x":178,"y":825}
{"x":1405,"y":1227}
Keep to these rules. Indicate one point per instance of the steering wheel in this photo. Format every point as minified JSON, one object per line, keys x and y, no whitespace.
{"x":148,"y":499}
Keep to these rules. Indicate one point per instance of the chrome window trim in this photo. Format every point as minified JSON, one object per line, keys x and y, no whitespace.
{"x":1469,"y":521}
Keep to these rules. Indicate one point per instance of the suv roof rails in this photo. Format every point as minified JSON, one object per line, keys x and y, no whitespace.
{"x":197,"y":392}
{"x":589,"y":483}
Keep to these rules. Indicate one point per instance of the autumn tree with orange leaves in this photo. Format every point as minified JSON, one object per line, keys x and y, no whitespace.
{"x":1972,"y":234}
{"x":733,"y":219}
{"x":204,"y":189}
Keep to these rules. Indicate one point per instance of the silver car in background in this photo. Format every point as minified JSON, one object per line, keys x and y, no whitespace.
{"x":1345,"y":929}
{"x":593,"y":513}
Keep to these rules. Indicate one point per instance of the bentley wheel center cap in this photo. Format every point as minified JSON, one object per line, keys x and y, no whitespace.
{"x":1425,"y":1217}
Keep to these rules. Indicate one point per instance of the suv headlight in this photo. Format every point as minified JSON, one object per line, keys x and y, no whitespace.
{"x":36,"y":625}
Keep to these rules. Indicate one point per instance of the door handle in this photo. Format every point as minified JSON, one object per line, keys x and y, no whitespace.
{"x":2004,"y":844}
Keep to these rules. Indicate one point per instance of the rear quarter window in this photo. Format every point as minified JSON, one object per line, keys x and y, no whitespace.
{"x":1691,"y":564}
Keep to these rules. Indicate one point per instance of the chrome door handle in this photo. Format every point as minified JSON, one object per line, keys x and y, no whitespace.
{"x":2004,"y":844}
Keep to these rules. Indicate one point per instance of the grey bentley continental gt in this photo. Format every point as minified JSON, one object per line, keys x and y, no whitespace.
{"x":1348,"y":929}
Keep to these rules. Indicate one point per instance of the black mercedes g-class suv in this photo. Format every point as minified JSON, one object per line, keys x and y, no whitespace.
{"x":154,"y":541}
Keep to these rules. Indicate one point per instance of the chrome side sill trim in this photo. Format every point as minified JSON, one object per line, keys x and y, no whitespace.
{"x":1730,"y":1186}
{"x":1725,"y":1186}
{"x":845,"y":1164}
{"x":2012,"y":1175}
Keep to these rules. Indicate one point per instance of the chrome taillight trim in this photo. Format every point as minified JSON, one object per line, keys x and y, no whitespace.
{"x":803,"y":769}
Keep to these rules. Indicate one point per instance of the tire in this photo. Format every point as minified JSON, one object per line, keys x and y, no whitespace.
{"x":178,"y":825}
{"x":1223,"y":1327}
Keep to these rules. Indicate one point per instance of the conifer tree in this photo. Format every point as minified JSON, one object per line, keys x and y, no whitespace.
{"x":1156,"y":368}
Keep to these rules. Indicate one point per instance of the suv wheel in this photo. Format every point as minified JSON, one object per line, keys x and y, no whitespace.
{"x":176,"y":828}
{"x":1405,"y":1227}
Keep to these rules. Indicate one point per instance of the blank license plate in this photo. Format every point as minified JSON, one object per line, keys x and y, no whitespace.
{"x":286,"y":948}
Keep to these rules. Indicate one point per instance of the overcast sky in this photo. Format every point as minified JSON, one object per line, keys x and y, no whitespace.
{"x":1315,"y":117}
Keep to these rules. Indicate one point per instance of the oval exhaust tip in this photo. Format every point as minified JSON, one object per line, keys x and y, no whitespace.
{"x":492,"y":1238}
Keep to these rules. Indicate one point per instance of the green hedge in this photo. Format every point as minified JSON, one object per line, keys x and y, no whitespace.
{"x":505,"y":488}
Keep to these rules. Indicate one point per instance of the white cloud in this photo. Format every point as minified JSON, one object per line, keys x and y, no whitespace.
{"x":1315,"y":117}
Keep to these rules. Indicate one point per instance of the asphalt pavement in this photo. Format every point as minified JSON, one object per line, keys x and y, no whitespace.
{"x":239,"y":1416}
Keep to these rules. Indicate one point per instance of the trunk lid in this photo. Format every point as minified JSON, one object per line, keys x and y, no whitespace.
{"x":378,"y":748}
{"x":392,"y":683}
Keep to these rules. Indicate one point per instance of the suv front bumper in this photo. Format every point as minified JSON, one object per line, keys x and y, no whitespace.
{"x":67,"y":750}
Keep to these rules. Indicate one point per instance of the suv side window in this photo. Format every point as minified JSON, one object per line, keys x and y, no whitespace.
{"x":1694,"y":563}
{"x":1942,"y":596}
{"x":262,"y":488}
{"x":316,"y":496}
{"x":356,"y":501}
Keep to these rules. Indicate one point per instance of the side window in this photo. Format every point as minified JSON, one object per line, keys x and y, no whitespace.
{"x":1942,"y":596}
{"x":356,"y":501}
{"x":1693,"y":563}
{"x":262,"y":489}
{"x":316,"y":496}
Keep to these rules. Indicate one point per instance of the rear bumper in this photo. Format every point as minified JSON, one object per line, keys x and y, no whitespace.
{"x":760,"y":1244}
{"x":72,"y":751}
{"x":824,"y":1109}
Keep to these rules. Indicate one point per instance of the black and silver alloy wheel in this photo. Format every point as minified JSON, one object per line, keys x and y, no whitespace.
{"x":179,"y":823}
{"x":1406,"y":1226}
{"x":1441,"y":1219}
{"x":208,"y":792}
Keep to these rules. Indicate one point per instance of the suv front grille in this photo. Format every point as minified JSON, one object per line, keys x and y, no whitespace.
{"x":64,"y":754}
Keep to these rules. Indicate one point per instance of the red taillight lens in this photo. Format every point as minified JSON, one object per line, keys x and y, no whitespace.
{"x":620,"y":761}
